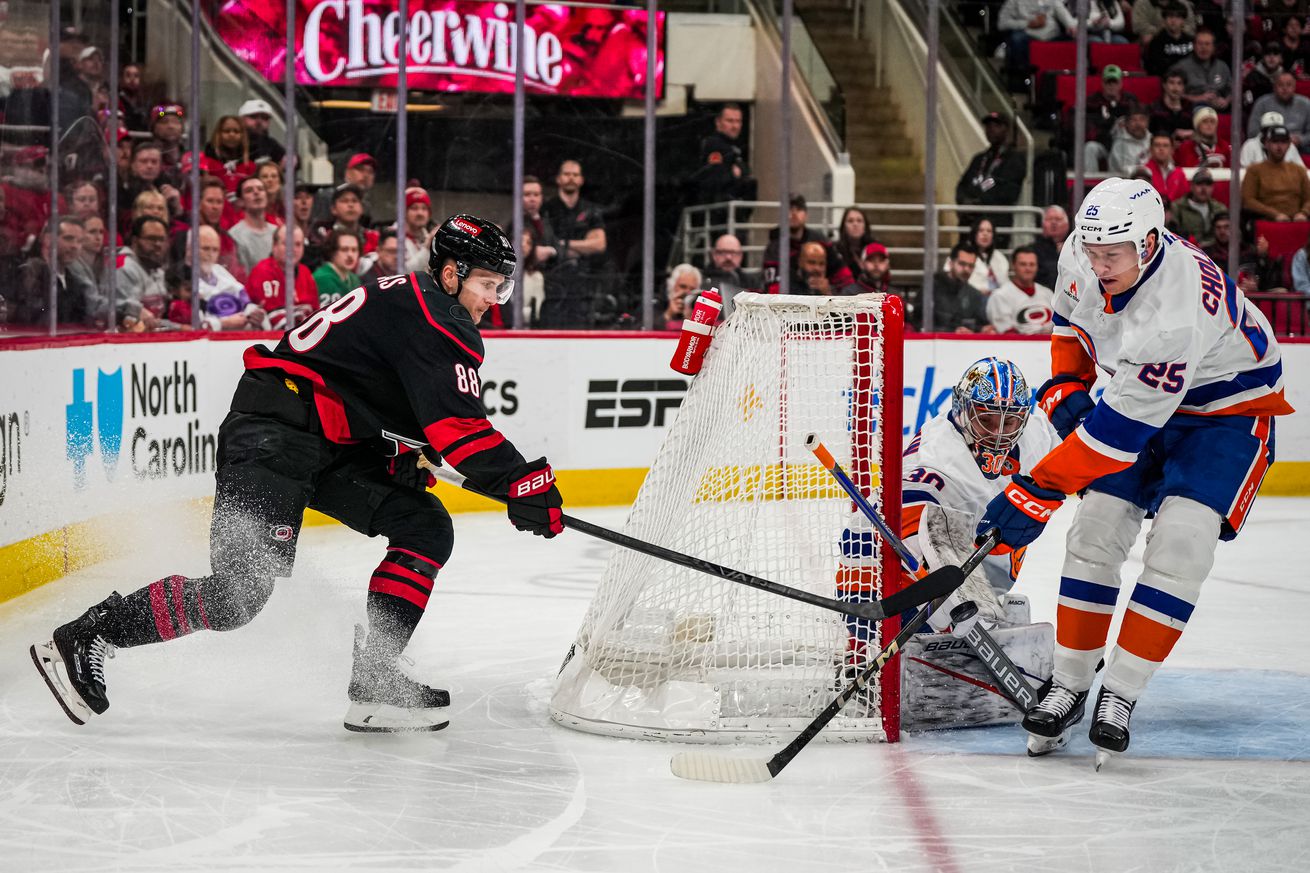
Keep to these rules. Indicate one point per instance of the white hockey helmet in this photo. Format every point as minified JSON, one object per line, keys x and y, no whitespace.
{"x":1119,"y":211}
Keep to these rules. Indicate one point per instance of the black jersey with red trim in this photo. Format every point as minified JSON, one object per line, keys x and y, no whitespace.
{"x":396,"y":362}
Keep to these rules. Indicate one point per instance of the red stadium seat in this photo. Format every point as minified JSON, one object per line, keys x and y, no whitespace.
{"x":1303,"y":87}
{"x":1064,"y":87}
{"x":1284,"y":237}
{"x":1145,"y":88}
{"x":1127,"y":56}
{"x":1052,"y":55}
{"x":1221,"y":192}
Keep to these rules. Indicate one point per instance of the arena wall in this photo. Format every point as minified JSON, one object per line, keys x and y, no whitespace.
{"x":107,"y":443}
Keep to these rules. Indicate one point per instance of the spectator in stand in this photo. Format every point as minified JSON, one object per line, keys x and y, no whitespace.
{"x":1105,"y":21}
{"x":1148,"y":18}
{"x":1259,"y":75}
{"x":540,"y":250}
{"x":257,"y":115}
{"x":576,"y":222}
{"x":336,"y":277}
{"x":1132,"y":143}
{"x":680,"y":292}
{"x":811,"y":274}
{"x":1021,"y":305}
{"x":95,"y":245}
{"x":852,"y":236}
{"x":1263,"y":273}
{"x":875,"y":275}
{"x":227,"y":154}
{"x":383,"y":261}
{"x":213,"y":213}
{"x":798,"y":233}
{"x":1273,"y":14}
{"x":225,"y":304}
{"x":267,"y":283}
{"x":140,"y":275}
{"x":144,"y":174}
{"x":725,"y":272}
{"x":1275,"y":189}
{"x":271,"y":175}
{"x":84,"y":198}
{"x":1294,"y":108}
{"x":27,"y":196}
{"x":303,"y":205}
{"x":1294,"y":47}
{"x":1106,"y":112}
{"x":995,"y":175}
{"x":167,"y":121}
{"x":419,"y":228}
{"x":253,"y":234}
{"x":1055,"y":230}
{"x":91,"y":68}
{"x":1207,"y":147}
{"x":347,"y":217}
{"x":957,"y":305}
{"x":152,"y":203}
{"x":1166,"y":177}
{"x":361,"y":174}
{"x":992,"y":266}
{"x":1170,"y":114}
{"x":75,"y":297}
{"x":1253,"y":150}
{"x":723,"y":173}
{"x":1195,"y":213}
{"x":1218,"y":250}
{"x":1208,"y":80}
{"x":1169,"y":45}
{"x":1022,"y":21}
{"x":131,"y":103}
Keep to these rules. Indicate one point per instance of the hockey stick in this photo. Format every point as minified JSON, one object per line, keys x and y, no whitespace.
{"x":939,"y":583}
{"x":1009,"y":678}
{"x":711,"y":767}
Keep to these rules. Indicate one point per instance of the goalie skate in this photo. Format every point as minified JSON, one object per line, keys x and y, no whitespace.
{"x":72,"y":663}
{"x":385,"y":700}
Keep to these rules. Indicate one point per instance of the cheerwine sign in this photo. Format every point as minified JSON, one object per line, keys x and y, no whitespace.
{"x":452,"y":45}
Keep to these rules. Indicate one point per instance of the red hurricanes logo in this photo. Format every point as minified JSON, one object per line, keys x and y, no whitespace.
{"x":467,"y":226}
{"x":283,"y":533}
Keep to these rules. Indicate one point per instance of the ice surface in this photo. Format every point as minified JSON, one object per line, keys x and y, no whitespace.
{"x":226,"y":752}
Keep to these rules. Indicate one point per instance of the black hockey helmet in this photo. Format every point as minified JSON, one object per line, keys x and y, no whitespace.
{"x":473,"y":242}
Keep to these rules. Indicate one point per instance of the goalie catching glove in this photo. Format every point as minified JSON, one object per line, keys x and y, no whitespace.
{"x":534,"y":502}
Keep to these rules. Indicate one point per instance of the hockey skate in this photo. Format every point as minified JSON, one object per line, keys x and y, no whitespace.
{"x":1048,"y":723}
{"x":1109,"y":731}
{"x":385,"y":700}
{"x":73,"y":662}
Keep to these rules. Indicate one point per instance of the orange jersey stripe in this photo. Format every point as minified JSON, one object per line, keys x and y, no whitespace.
{"x":1068,"y":357}
{"x":911,"y":516}
{"x":1080,"y":630}
{"x":1270,"y":404}
{"x":1147,"y":638}
{"x":1073,"y":464}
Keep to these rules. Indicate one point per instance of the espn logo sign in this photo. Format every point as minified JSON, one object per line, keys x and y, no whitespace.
{"x":538,"y":482}
{"x":632,"y":403}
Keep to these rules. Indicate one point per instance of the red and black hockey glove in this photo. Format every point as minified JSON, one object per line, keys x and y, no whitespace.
{"x":534,"y":502}
{"x":1020,"y":511}
{"x":1066,"y":403}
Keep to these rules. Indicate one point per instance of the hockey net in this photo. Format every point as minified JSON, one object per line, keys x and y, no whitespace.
{"x":665,"y":652}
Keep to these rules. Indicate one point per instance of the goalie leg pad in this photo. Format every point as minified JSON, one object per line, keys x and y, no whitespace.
{"x":1179,"y":554}
{"x":1103,"y":531}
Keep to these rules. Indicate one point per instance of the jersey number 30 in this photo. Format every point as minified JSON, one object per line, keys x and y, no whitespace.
{"x":311,"y":333}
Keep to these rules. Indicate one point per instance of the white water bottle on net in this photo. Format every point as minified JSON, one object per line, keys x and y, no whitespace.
{"x":665,"y":652}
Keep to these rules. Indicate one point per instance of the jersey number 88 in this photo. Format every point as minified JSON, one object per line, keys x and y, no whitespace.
{"x":311,"y":333}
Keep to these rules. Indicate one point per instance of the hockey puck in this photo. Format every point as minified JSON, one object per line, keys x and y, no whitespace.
{"x":963,"y":612}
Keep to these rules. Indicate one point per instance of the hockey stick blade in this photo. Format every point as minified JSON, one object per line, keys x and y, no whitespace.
{"x":912,"y":595}
{"x":708,"y":767}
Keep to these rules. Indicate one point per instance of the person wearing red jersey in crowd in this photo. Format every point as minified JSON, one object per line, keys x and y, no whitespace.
{"x":335,"y":417}
{"x":1166,"y":177}
{"x":227,"y":154}
{"x":215,"y":212}
{"x":1207,"y":147}
{"x":27,"y":196}
{"x":267,"y":283}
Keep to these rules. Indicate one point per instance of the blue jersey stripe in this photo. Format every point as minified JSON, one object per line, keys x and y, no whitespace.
{"x":914,"y":495}
{"x":1118,"y":430}
{"x":1265,"y":377}
{"x":1059,"y":320}
{"x":1162,"y":602}
{"x":1090,"y":592}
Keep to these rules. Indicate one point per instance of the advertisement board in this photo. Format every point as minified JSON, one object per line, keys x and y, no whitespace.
{"x":454,"y":45}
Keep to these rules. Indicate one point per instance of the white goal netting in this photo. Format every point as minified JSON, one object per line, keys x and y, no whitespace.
{"x":668,"y":652}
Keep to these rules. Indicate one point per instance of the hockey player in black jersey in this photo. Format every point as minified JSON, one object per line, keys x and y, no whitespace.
{"x":334,"y":418}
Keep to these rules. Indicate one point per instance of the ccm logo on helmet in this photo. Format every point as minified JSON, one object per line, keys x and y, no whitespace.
{"x":1034,"y":509}
{"x":466,"y":226}
{"x":533,"y":485}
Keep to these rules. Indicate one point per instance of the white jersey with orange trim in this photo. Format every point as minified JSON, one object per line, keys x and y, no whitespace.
{"x":1183,"y":339}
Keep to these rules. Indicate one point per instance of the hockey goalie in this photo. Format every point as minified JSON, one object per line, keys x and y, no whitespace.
{"x":958,"y":461}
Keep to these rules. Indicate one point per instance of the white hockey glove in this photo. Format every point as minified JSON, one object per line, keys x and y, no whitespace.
{"x":946,"y":536}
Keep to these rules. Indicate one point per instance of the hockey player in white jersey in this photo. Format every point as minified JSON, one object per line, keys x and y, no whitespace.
{"x":1184,"y":431}
{"x":958,"y":461}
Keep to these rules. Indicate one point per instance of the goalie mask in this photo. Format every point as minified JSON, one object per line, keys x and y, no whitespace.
{"x":990,"y":407}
